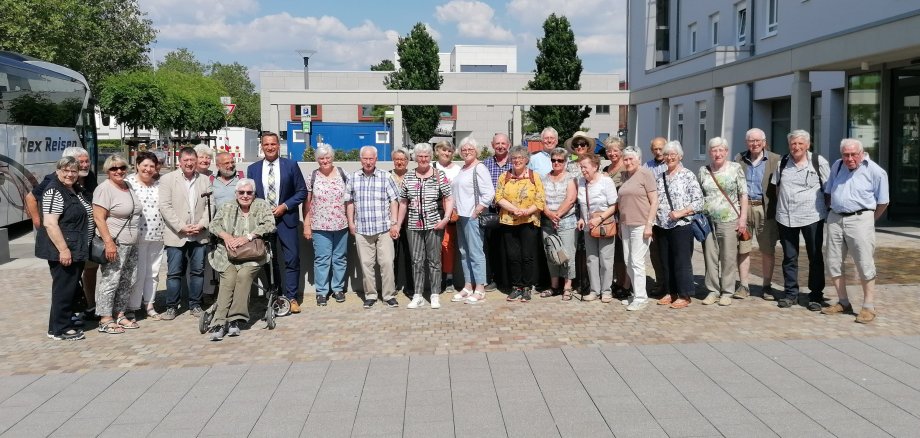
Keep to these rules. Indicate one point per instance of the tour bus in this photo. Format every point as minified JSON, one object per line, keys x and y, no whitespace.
{"x":44,"y":108}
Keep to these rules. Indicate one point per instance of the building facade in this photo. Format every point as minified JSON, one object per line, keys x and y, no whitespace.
{"x":837,"y":68}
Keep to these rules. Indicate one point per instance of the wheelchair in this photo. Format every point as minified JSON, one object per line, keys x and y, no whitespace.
{"x":277,"y":305}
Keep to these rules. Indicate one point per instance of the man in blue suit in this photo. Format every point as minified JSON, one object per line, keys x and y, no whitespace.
{"x":280,"y":182}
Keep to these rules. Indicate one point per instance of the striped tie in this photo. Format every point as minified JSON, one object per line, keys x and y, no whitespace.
{"x":272,"y":196}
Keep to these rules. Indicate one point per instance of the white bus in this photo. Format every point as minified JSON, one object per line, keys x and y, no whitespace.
{"x":44,"y":108}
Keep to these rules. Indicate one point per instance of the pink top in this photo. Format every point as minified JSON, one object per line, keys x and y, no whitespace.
{"x":328,"y":207}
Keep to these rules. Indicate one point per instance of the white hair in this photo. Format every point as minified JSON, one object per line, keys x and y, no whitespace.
{"x":470,"y":141}
{"x":799,"y":133}
{"x":74,"y":151}
{"x":367,"y":149}
{"x":203,"y":149}
{"x":324,"y":150}
{"x":851,"y":142}
{"x":551,"y":130}
{"x":755,"y":131}
{"x":717,"y":142}
{"x":422,"y":148}
{"x":246,"y":182}
{"x":633,"y":151}
{"x":399,"y":151}
{"x":673,"y":146}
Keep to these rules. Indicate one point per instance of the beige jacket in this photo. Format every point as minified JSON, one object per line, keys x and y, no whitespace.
{"x":174,"y":208}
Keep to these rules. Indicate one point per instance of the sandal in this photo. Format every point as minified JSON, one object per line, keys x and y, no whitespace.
{"x":548,"y":293}
{"x":567,"y":295}
{"x":152,"y":314}
{"x":130,"y":324}
{"x":130,"y":315}
{"x":111,"y":327}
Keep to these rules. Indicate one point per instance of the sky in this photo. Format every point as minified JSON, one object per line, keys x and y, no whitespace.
{"x":352,"y":35}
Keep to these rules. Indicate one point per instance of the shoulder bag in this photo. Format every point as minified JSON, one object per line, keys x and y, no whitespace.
{"x":607,"y":228}
{"x":699,"y":223}
{"x":488,"y":219}
{"x":745,"y":235}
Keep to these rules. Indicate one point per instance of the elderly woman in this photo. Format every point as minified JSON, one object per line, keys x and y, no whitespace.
{"x":579,"y":144}
{"x":236,"y":224}
{"x":521,"y":198}
{"x":444,"y":152}
{"x":63,"y":240}
{"x":150,"y":235}
{"x":205,"y":155}
{"x":725,"y":203}
{"x":402,"y":260}
{"x":613,"y":148}
{"x":117,"y":214}
{"x":638,"y":203}
{"x":325,"y":223}
{"x":473,"y":193}
{"x":422,"y":191}
{"x":597,"y":199}
{"x":679,"y":197}
{"x":559,"y":219}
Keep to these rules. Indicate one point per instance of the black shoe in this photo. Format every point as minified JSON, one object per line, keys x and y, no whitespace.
{"x":525,"y":297}
{"x":392,"y":303}
{"x":196,"y":311}
{"x":785,"y":303}
{"x":339,"y":296}
{"x":516,"y":293}
{"x":815,"y":306}
{"x":69,"y":335}
{"x":321,"y":300}
{"x":369,"y":303}
{"x":233,"y":329}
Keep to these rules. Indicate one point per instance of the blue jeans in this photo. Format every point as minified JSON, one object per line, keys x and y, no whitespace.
{"x":330,"y":249}
{"x":472,"y":255}
{"x":191,"y":256}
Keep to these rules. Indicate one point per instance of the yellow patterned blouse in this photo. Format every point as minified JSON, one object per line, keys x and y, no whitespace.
{"x":523,"y":192}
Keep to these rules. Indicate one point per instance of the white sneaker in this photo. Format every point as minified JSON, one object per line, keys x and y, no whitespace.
{"x":435,"y":301}
{"x":462,"y":295}
{"x":637,"y":305}
{"x":712,"y":298}
{"x":417,"y":301}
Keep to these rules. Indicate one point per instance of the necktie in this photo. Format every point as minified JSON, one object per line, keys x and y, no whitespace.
{"x":272,"y":195}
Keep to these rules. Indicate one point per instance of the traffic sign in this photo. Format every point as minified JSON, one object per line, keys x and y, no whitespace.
{"x":229,"y":108}
{"x":306,"y":111}
{"x":225,"y":100}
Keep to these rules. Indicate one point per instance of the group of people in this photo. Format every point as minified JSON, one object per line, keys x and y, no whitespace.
{"x":593,"y":226}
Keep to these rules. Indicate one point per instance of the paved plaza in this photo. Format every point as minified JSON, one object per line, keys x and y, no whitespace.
{"x":544,"y":368}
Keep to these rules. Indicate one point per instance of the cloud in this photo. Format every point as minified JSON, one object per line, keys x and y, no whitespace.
{"x":599,"y":25}
{"x":473,"y":18}
{"x":435,"y":35}
{"x":165,"y":11}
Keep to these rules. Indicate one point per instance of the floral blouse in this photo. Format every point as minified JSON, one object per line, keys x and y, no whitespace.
{"x":424,"y":196}
{"x":523,"y":192}
{"x":731,"y":178}
{"x":151,"y":226}
{"x":327,"y":211}
{"x":683,"y":191}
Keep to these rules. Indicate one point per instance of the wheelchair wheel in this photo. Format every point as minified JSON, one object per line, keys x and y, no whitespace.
{"x":204,"y":320}
{"x":281,"y":306}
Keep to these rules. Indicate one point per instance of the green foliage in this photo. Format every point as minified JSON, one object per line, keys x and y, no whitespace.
{"x":183,"y":61}
{"x":39,"y":110}
{"x":486,"y":152}
{"x":558,"y":68}
{"x":309,"y":155}
{"x":135,"y":98}
{"x":96,"y":38}
{"x":110,"y":145}
{"x":383,"y":65}
{"x":418,"y":70}
{"x":235,"y":80}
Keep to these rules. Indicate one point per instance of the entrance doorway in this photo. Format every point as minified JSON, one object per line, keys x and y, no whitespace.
{"x":904,"y":177}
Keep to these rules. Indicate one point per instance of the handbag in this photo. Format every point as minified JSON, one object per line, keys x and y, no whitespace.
{"x":488,"y":219}
{"x":248,"y":252}
{"x":699,"y":223}
{"x":97,"y":246}
{"x":607,"y":228}
{"x":745,"y":235}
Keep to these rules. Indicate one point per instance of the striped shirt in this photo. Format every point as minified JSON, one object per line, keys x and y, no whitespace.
{"x":424,"y":196}
{"x":53,"y":203}
{"x":371,"y":195}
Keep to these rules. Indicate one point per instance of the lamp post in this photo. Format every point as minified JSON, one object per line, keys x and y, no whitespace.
{"x":306,"y":54}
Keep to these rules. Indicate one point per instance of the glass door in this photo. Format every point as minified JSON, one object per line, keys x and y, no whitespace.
{"x":904,"y":175}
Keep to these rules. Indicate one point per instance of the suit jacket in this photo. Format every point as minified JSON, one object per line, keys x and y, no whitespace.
{"x":175,"y":210}
{"x":769,"y":190}
{"x":293,"y":189}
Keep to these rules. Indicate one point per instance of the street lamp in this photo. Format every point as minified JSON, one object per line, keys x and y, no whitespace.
{"x":306,"y":54}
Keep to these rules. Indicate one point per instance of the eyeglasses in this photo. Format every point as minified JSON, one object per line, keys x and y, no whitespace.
{"x":244,"y":192}
{"x":558,"y":160}
{"x":117,"y":168}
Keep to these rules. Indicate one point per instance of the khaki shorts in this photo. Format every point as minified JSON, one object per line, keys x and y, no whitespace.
{"x":854,"y":235}
{"x":764,"y":230}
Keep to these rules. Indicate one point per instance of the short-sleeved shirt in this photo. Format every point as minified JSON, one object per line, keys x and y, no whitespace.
{"x":683,"y":191}
{"x":524,"y":192}
{"x":224,"y":191}
{"x":602,"y":194}
{"x":657,"y":167}
{"x":450,"y":172}
{"x":424,"y":196}
{"x":53,"y":203}
{"x":731,"y":178}
{"x":540,"y":163}
{"x":328,"y":207}
{"x":124,"y":211}
{"x":151,"y":226}
{"x":633,"y":196}
{"x":555,"y":195}
{"x":617,"y":174}
{"x":863,"y":188}
{"x":495,"y":170}
{"x":371,"y":195}
{"x":800,"y":196}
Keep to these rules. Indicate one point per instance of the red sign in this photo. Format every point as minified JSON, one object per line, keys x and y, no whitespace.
{"x":229,"y":108}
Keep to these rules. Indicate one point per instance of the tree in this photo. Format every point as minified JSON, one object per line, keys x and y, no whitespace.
{"x":235,"y":80}
{"x":418,"y":70}
{"x":383,"y":65}
{"x":183,"y":61}
{"x":135,"y":98}
{"x":558,"y":68}
{"x":96,"y":38}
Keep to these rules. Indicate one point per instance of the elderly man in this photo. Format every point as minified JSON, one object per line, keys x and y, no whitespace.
{"x":858,"y":190}
{"x":497,"y":164}
{"x":539,"y":161}
{"x":656,"y":164}
{"x":800,"y":209}
{"x":280,"y":182}
{"x":371,"y":208}
{"x":758,"y":164}
{"x":223,"y":184}
{"x":185,"y":215}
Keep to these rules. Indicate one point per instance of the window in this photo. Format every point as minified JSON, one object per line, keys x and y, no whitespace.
{"x":741,"y":25}
{"x":447,"y":112}
{"x":692,"y":32}
{"x":365,"y":113}
{"x":772,"y":16}
{"x":714,"y":29}
{"x":701,"y":108}
{"x":680,"y":123}
{"x":780,"y":124}
{"x":602,"y":109}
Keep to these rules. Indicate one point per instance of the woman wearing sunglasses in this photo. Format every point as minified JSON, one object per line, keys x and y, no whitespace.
{"x":117,"y":213}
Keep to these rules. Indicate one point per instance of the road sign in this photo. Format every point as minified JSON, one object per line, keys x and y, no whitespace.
{"x":306,"y":111}
{"x":225,"y":100}
{"x":229,"y":108}
{"x":306,"y":126}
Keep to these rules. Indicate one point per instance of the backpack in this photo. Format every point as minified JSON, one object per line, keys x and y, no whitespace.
{"x":555,"y":252}
{"x":814,"y":163}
